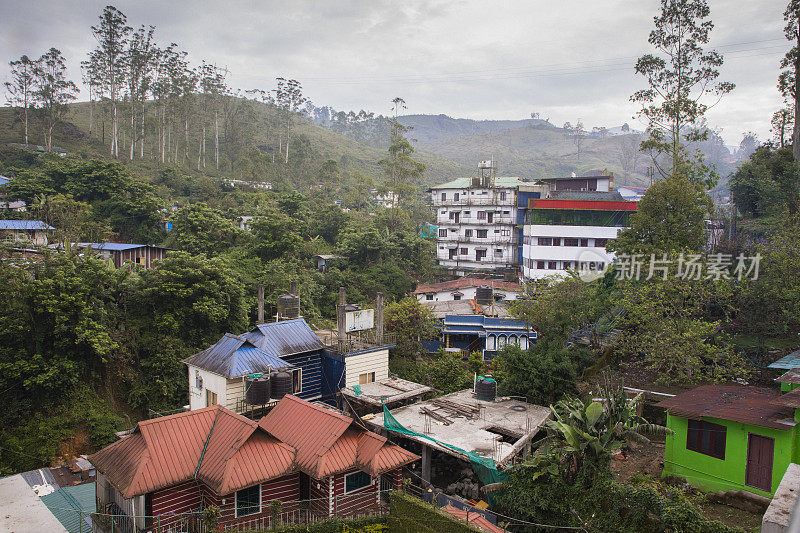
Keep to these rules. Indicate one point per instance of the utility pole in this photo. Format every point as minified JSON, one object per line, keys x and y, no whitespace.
{"x":260,"y":319}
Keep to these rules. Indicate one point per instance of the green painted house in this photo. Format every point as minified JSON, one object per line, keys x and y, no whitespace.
{"x":731,"y":437}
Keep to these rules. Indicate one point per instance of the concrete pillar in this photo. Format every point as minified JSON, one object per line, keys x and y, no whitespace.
{"x":379,"y":318}
{"x":260,"y":319}
{"x":427,"y":452}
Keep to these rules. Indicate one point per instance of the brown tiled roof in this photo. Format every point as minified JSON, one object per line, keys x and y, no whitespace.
{"x":463,"y":283}
{"x":790,"y":376}
{"x":328,"y":442}
{"x":790,"y":399}
{"x":748,"y":405}
{"x":163,"y":452}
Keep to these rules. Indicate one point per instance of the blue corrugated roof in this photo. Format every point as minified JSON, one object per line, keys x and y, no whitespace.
{"x":24,"y":224}
{"x":117,"y":246}
{"x":287,"y":337}
{"x":233,"y":356}
{"x":481,"y":325}
{"x":67,"y":503}
{"x":788,"y":362}
{"x":4,"y":180}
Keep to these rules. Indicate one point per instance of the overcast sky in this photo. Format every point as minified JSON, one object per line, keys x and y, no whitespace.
{"x":564,"y":59}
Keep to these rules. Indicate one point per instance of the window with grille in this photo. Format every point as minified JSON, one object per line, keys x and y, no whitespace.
{"x":482,"y":233}
{"x":355,"y":481}
{"x":706,"y":438}
{"x":248,"y":501}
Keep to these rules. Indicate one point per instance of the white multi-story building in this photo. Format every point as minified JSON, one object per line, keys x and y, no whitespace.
{"x":476,"y":219}
{"x":569,"y":230}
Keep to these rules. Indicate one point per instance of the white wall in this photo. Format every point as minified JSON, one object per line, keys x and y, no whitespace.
{"x":468,"y":294}
{"x":213,"y":382}
{"x":355,"y":365}
{"x":533,"y":252}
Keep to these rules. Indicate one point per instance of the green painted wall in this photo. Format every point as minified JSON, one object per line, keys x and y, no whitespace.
{"x":712,"y":474}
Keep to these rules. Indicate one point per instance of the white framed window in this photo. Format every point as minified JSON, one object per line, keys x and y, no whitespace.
{"x":248,"y":501}
{"x":368,"y":377}
{"x":356,"y":480}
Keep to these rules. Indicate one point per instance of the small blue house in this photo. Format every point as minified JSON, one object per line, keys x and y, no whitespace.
{"x":487,"y":335}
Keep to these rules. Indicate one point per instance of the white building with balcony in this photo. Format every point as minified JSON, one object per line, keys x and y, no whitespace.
{"x":476,"y":218}
{"x":569,"y":230}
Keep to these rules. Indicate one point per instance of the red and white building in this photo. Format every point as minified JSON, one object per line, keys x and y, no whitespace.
{"x":466,"y":289}
{"x":570,"y":230}
{"x":300,"y":463}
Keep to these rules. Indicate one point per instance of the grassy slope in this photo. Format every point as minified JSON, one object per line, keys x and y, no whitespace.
{"x":326,"y":142}
{"x":536,"y":153}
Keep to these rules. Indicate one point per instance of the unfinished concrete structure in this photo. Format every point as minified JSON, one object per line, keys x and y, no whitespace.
{"x":371,"y":397}
{"x":500,"y":429}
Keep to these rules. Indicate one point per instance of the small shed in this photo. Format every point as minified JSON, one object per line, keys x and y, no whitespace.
{"x":324,"y":261}
{"x":121,"y":253}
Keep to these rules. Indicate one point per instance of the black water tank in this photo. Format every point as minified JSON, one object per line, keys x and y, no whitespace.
{"x":281,"y":384}
{"x":258,"y":390}
{"x":483,"y":295}
{"x":486,"y":389}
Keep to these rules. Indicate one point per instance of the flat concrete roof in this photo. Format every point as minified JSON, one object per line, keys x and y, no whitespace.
{"x":387,"y":391}
{"x":779,"y":512}
{"x":460,"y":419}
{"x":21,"y":510}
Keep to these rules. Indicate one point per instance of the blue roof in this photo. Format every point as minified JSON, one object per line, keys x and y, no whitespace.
{"x":233,"y":356}
{"x":4,"y":180}
{"x":482,"y":325}
{"x":788,"y":362}
{"x":117,"y":246}
{"x":24,"y":224}
{"x":66,"y":502}
{"x":287,"y":337}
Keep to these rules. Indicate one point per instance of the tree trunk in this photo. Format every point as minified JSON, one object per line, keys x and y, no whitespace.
{"x":288,"y":123}
{"x":216,"y":139}
{"x":141,"y":146}
{"x":796,"y":129}
{"x":133,"y":129}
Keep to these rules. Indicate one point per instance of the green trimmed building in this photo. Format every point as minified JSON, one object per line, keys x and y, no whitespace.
{"x":730,"y":437}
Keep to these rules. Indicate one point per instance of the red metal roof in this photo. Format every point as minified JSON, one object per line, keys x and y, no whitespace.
{"x":163,"y":452}
{"x":476,"y":519}
{"x":328,"y":442}
{"x":748,"y":405}
{"x":586,"y":205}
{"x":463,"y":283}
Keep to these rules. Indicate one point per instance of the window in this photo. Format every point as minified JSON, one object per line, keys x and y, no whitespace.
{"x":211,"y":398}
{"x":444,"y":196}
{"x":584,"y":242}
{"x":706,"y":438}
{"x":456,"y":297}
{"x":444,"y":211}
{"x":198,"y":380}
{"x":552,"y":265}
{"x":297,"y":382}
{"x":498,"y":252}
{"x":248,"y":501}
{"x":540,"y":265}
{"x":545,"y":241}
{"x":369,"y":377}
{"x":484,"y":193}
{"x":429,"y":296}
{"x":442,"y":232}
{"x":355,"y":481}
{"x":502,"y":196}
{"x":464,"y":251}
{"x":482,"y":233}
{"x":569,"y":241}
{"x":467,"y":214}
{"x":556,"y":241}
{"x":497,"y":231}
{"x":480,"y":254}
{"x":455,"y":197}
{"x":601,"y":242}
{"x":506,"y":212}
{"x":481,"y":215}
{"x":468,"y":233}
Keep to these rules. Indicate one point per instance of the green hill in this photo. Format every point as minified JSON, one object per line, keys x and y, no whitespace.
{"x":72,"y":135}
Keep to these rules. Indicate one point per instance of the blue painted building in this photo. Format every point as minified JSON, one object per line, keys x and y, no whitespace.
{"x":487,"y":335}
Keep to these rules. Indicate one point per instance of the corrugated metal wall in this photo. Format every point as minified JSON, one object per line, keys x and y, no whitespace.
{"x":311,"y":364}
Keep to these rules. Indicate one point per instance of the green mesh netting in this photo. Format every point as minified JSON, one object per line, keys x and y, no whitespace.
{"x":357,"y":390}
{"x":484,"y":467}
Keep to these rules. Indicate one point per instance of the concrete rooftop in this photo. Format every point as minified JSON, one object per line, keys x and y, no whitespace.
{"x":517,"y":420}
{"x":21,"y":510}
{"x":391,"y":390}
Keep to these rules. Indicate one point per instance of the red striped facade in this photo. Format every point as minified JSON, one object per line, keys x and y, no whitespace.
{"x":171,"y":507}
{"x":588,"y":205}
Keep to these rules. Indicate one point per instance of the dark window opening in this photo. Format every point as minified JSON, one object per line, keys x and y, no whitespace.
{"x":248,"y":501}
{"x":706,"y":438}
{"x":355,"y":481}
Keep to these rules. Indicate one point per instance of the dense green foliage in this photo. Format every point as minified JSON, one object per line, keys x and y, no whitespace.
{"x":444,"y":371}
{"x":411,"y":515}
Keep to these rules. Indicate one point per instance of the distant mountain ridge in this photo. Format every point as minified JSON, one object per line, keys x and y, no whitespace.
{"x":433,"y":128}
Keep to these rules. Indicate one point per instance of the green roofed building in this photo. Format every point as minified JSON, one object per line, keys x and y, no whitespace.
{"x":730,"y":437}
{"x":73,"y":506}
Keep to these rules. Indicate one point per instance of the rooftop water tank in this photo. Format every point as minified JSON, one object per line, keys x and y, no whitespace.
{"x":281,"y":384}
{"x":486,"y":389}
{"x":257,"y":390}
